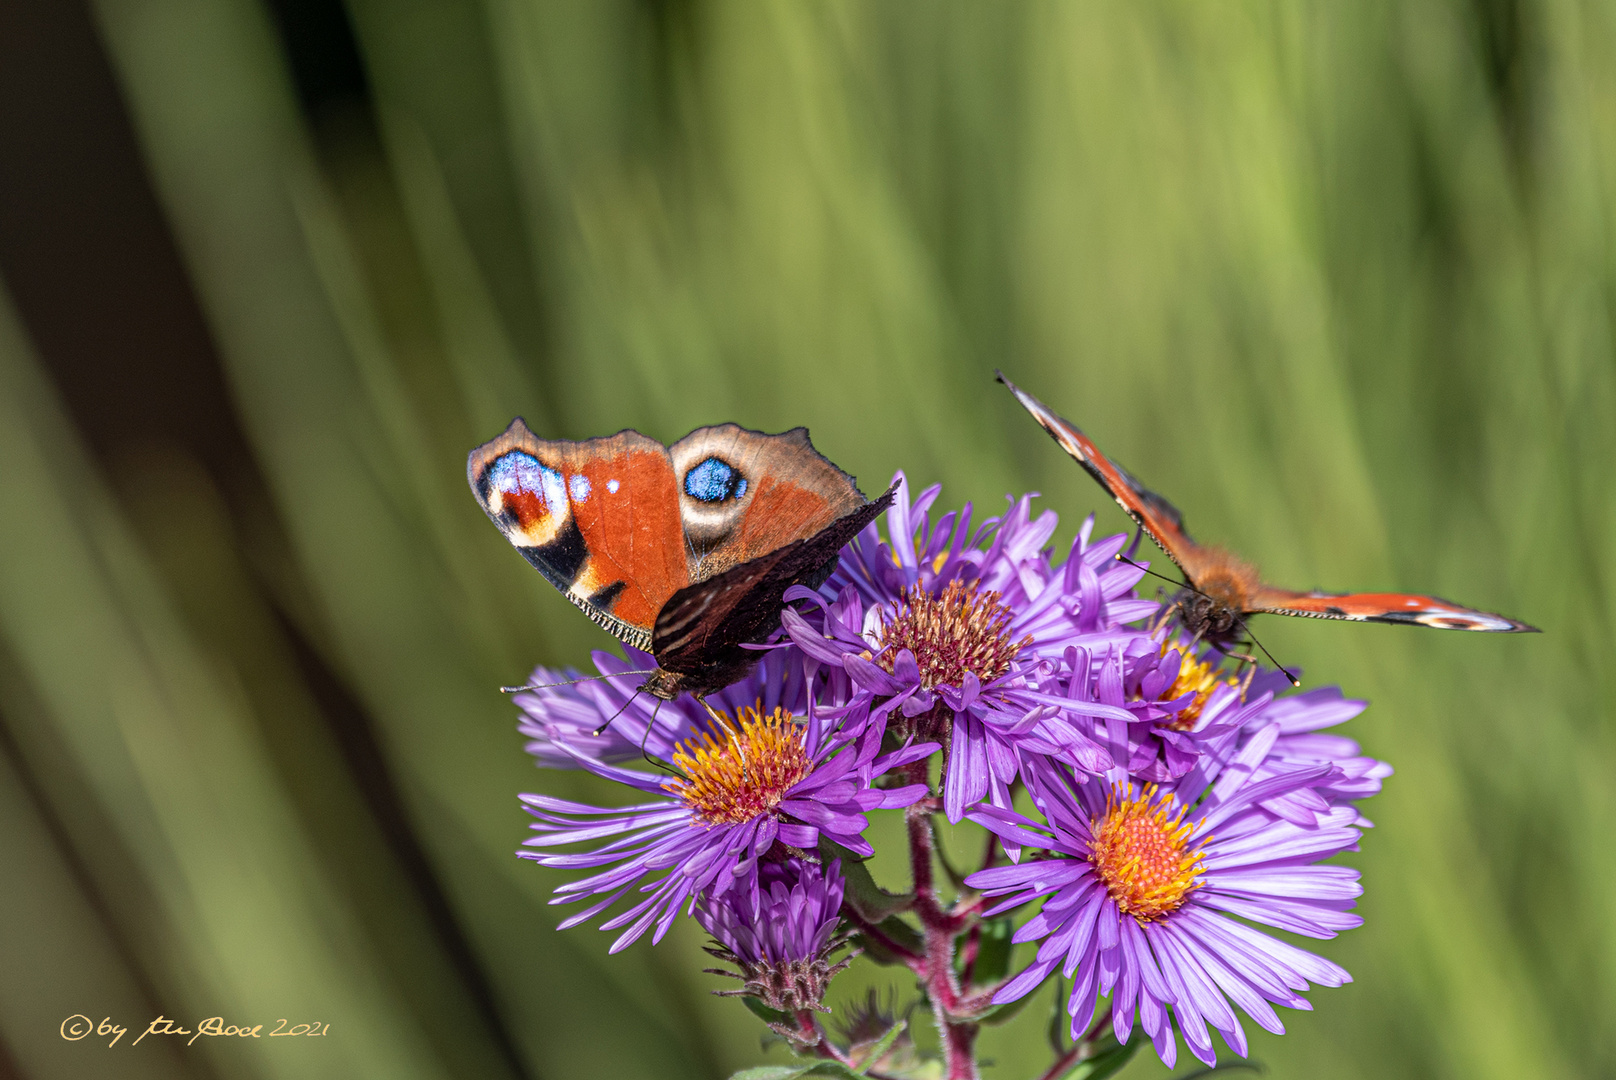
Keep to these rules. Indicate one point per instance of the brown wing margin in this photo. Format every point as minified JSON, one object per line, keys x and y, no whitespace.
{"x":700,"y":630}
{"x":1406,"y":608}
{"x":1154,"y":514}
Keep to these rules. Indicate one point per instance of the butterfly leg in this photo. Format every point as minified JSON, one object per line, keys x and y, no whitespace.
{"x":1250,"y":673}
{"x":1245,"y":681}
{"x":724,"y":725}
{"x":718,"y":717}
{"x":647,"y":738}
{"x":1247,"y":657}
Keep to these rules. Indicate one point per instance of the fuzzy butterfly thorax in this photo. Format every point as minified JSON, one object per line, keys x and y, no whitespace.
{"x":1223,"y":588}
{"x":684,"y":552}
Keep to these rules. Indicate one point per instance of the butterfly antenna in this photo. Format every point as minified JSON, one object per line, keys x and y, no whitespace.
{"x":1186,"y":585}
{"x":1171,"y":608}
{"x":602,"y":729}
{"x":1120,"y":557}
{"x":568,"y":682}
{"x":1283,"y":670}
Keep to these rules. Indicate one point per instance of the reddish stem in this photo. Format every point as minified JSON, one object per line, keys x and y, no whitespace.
{"x":941,"y":929}
{"x":873,"y":933}
{"x":959,"y":1050}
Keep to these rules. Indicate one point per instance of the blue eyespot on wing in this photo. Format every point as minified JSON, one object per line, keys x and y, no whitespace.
{"x":598,"y":518}
{"x":532,"y":495}
{"x":714,"y":480}
{"x":743,"y":494}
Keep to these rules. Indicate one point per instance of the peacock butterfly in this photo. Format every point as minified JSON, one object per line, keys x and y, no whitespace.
{"x":1223,"y":590}
{"x":682,"y":551}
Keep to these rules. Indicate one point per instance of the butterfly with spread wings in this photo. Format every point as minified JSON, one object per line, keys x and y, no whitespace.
{"x":684,"y":551}
{"x":1223,"y":591}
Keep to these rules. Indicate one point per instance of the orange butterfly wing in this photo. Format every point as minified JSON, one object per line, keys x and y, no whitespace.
{"x":686,"y":551}
{"x":1407,"y":608}
{"x":598,"y":518}
{"x":1154,"y":514}
{"x":1233,"y":581}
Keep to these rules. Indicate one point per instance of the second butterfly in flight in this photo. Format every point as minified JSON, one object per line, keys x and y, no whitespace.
{"x":1221,"y":590}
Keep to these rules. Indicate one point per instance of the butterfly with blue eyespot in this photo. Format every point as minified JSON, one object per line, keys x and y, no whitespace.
{"x":682,"y":551}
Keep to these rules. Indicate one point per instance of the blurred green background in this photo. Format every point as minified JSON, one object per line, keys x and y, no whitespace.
{"x":1338,"y":278}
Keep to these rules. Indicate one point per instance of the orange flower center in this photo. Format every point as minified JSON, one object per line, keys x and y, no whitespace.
{"x":1147,"y":858}
{"x":744,"y":772}
{"x":956,"y":631}
{"x":1199,"y":677}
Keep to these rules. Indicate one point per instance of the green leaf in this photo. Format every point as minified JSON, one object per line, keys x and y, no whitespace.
{"x":1106,"y":1062}
{"x":792,"y":1072}
{"x":992,"y":952}
{"x":764,"y":1013}
{"x":873,"y":903}
{"x":1058,"y":1020}
{"x":998,"y":1014}
{"x":830,"y":849}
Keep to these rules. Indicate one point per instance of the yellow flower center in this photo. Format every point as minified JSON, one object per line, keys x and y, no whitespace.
{"x":1199,"y":677}
{"x":744,"y":772}
{"x":1147,"y":859}
{"x":956,"y":631}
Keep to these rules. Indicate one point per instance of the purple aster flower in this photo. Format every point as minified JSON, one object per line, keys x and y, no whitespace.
{"x":953,"y":628}
{"x":749,"y":784}
{"x":561,"y":715}
{"x":1139,"y":884}
{"x":1179,"y":704}
{"x":1004,"y":555}
{"x":780,"y":939}
{"x":1206,"y":710}
{"x":1299,"y":719}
